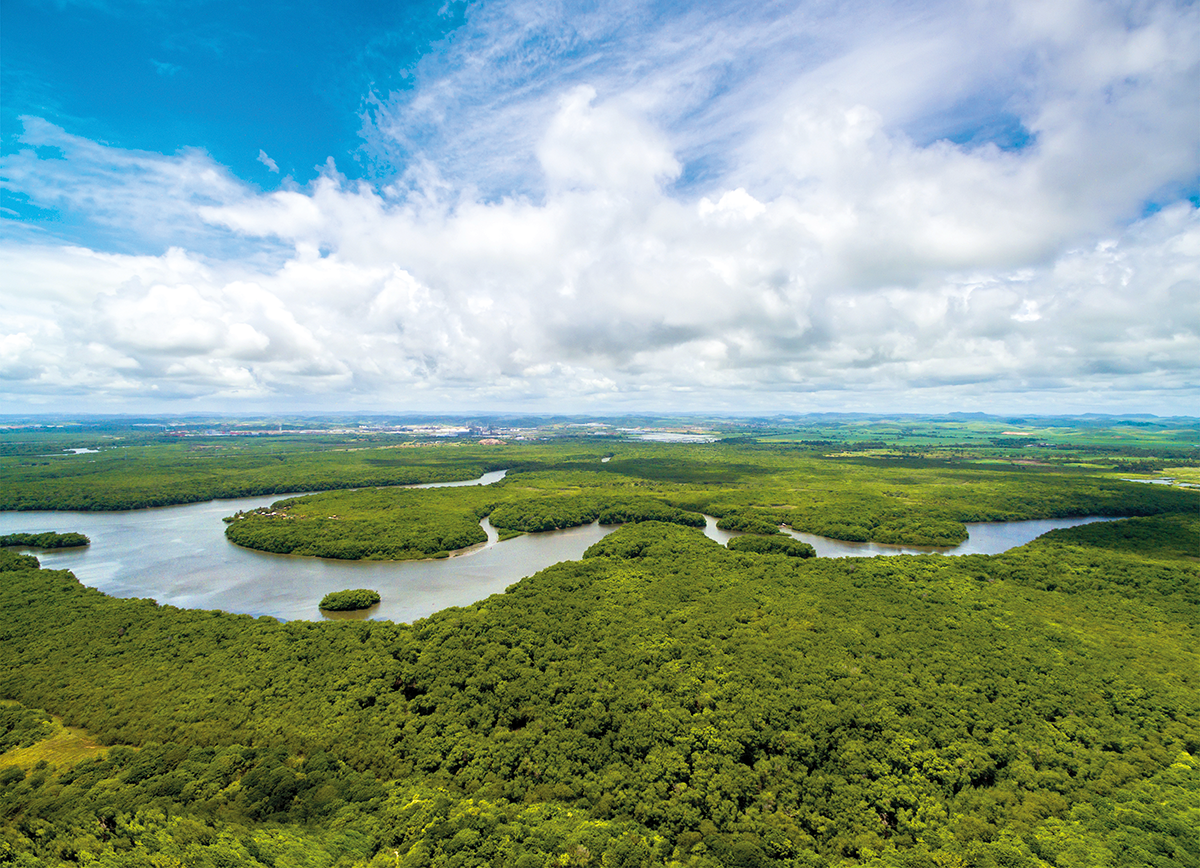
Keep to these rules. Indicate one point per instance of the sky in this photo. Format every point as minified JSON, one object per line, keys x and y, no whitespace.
{"x":581,"y":207}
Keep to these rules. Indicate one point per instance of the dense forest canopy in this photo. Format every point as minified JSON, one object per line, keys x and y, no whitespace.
{"x":48,"y":540}
{"x":350,"y":600}
{"x":751,"y":490}
{"x":663,"y":701}
{"x":147,"y":462}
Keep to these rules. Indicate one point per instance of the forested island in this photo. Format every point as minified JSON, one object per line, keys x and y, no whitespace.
{"x":665,"y":701}
{"x":350,"y":600}
{"x":754,"y":490}
{"x":48,"y":540}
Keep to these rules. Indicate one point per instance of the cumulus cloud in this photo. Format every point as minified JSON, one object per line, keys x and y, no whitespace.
{"x":802,"y":242}
{"x":591,"y":147}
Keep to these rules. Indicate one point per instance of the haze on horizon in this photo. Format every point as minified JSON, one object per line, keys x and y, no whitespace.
{"x":600,"y":208}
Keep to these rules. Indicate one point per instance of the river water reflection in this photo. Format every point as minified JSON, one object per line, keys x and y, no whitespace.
{"x":178,"y":555}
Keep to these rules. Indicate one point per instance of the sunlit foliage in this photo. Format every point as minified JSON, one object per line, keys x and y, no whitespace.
{"x":663,"y":701}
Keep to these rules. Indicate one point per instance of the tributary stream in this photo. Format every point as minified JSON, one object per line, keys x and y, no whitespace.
{"x":178,"y":555}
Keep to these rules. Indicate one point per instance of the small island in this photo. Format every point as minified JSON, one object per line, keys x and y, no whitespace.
{"x":350,"y":600}
{"x":772,"y":545}
{"x":48,"y":540}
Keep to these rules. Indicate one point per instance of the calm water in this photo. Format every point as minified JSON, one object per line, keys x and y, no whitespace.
{"x":986,"y":538}
{"x":178,"y":555}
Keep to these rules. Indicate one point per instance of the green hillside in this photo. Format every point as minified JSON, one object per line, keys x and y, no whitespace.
{"x":664,"y":701}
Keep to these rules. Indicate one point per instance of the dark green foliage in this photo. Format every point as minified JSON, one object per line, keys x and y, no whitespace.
{"x":629,"y":510}
{"x":350,"y":600}
{"x":15,"y":561}
{"x":399,"y":524}
{"x":1138,"y":559}
{"x":551,"y":513}
{"x":21,"y":727}
{"x":649,"y":539}
{"x":545,"y":513}
{"x":238,"y":806}
{"x":384,"y":524}
{"x":161,"y":473}
{"x":49,"y":540}
{"x":772,"y":545}
{"x":749,"y":522}
{"x":664,"y":699}
{"x":1171,"y":537}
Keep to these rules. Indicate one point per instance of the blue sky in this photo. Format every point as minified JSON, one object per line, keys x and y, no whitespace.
{"x":600,"y":207}
{"x":291,"y":79}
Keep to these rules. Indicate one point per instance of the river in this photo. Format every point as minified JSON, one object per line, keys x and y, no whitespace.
{"x":178,"y":555}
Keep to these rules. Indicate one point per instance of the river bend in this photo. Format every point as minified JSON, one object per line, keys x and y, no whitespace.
{"x":178,"y":555}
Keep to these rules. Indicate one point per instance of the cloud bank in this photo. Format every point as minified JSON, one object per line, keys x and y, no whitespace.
{"x":874,"y":207}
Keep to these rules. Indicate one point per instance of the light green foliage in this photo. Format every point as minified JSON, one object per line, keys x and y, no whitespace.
{"x":350,"y":600}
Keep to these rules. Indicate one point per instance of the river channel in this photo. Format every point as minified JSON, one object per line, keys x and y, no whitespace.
{"x":178,"y":555}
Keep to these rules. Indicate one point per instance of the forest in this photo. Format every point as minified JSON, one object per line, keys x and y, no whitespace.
{"x":749,"y":489}
{"x":664,"y":701}
{"x":48,"y":540}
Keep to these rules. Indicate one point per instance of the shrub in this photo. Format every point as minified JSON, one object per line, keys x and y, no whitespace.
{"x":349,"y":600}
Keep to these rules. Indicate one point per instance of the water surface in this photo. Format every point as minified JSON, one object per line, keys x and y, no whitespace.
{"x":178,"y":555}
{"x":986,"y":538}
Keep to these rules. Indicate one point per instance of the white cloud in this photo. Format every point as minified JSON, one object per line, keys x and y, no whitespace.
{"x":267,"y":161}
{"x":590,"y":147}
{"x":132,"y":201}
{"x":835,"y":259}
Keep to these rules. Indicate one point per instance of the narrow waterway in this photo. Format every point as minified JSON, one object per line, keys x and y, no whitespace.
{"x":178,"y":555}
{"x":986,"y":538}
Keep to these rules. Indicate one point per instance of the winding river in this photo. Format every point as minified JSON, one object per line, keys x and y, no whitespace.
{"x":178,"y":555}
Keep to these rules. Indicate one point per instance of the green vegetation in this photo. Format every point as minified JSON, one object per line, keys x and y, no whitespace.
{"x":140,"y":463}
{"x":772,"y":545}
{"x":21,"y":727}
{"x":552,"y":513}
{"x":49,"y":540}
{"x":665,"y":701}
{"x":387,"y":524}
{"x":156,"y":473}
{"x":39,"y":740}
{"x":402,"y":524}
{"x":350,"y":600}
{"x":751,"y":489}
